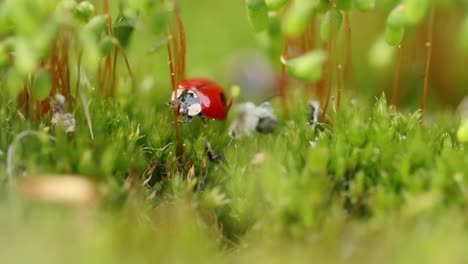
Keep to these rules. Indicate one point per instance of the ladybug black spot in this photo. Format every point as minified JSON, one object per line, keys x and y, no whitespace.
{"x":223,"y":98}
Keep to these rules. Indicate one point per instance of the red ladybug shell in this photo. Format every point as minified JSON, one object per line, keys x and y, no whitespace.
{"x":212,"y":97}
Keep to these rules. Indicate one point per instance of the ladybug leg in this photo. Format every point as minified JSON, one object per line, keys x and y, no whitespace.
{"x":186,"y":121}
{"x":203,"y":119}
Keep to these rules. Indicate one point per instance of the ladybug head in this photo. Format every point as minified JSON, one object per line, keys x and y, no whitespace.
{"x":188,"y":102}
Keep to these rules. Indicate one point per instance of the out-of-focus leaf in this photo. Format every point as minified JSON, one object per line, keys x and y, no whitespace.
{"x":123,"y":29}
{"x":275,"y":4}
{"x":42,"y":85}
{"x":364,"y":5}
{"x":334,"y":17}
{"x":298,"y":17}
{"x":257,"y":12}
{"x":308,"y":67}
{"x":394,"y":35}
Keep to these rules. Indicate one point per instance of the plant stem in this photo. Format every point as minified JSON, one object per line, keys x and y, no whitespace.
{"x":78,"y":75}
{"x":327,"y":83}
{"x":175,"y":104}
{"x":430,"y":28}
{"x":129,"y":69}
{"x":396,"y":79}
{"x":283,"y":82}
{"x":347,"y":52}
{"x":339,"y":85}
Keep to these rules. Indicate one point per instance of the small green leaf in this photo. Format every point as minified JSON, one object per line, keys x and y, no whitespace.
{"x":415,"y":10}
{"x":463,"y":37}
{"x":381,"y":54}
{"x":274,"y":5}
{"x":345,"y":5}
{"x":15,"y":81}
{"x":364,"y":5}
{"x":26,"y":59}
{"x":123,"y":29}
{"x":83,"y":11}
{"x":107,"y":44}
{"x":42,"y":85}
{"x":308,"y":67}
{"x":96,"y":26}
{"x":397,"y":18}
{"x":272,"y":40}
{"x":462,"y":133}
{"x":298,"y":17}
{"x":331,"y":16}
{"x":394,"y":35}
{"x":257,"y":12}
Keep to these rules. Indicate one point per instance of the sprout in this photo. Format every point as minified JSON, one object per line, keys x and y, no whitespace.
{"x":394,"y":35}
{"x":345,"y":5}
{"x":96,"y":26}
{"x":123,"y":29}
{"x":415,"y":10}
{"x":298,"y":17}
{"x":364,"y":5}
{"x":107,"y":44}
{"x":336,"y":18}
{"x":463,"y":38}
{"x":83,"y":11}
{"x":272,"y":40}
{"x":306,"y":68}
{"x":397,"y":18}
{"x":257,"y":12}
{"x":42,"y":85}
{"x":381,"y":54}
{"x":275,"y":4}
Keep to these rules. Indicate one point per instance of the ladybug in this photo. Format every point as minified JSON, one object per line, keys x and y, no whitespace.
{"x":201,"y":97}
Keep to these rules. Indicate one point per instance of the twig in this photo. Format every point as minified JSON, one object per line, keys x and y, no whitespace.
{"x":78,"y":74}
{"x":129,"y":69}
{"x":347,"y":52}
{"x":339,"y":84}
{"x":430,"y":28}
{"x":283,"y":82}
{"x":87,"y":114}
{"x":396,"y":80}
{"x":12,"y":149}
{"x":175,"y":103}
{"x":327,"y":76}
{"x":160,"y":43}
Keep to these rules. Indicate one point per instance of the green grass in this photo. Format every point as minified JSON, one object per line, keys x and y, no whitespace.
{"x":375,"y":185}
{"x":372,"y":186}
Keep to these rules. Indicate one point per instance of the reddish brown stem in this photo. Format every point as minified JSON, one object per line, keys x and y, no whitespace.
{"x":180,"y":149}
{"x":283,"y":81}
{"x":129,"y":69}
{"x":347,"y":51}
{"x":328,"y":75}
{"x":338,"y":88}
{"x":396,"y":79}
{"x":327,"y":79}
{"x":114,"y":70}
{"x":430,"y":28}
{"x":78,"y":75}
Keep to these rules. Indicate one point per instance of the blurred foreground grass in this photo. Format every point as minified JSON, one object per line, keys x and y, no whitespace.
{"x":374,"y":186}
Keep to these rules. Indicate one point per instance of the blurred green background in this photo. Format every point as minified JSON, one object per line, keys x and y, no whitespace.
{"x":220,"y":44}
